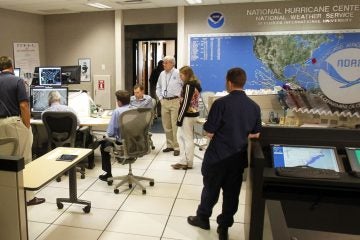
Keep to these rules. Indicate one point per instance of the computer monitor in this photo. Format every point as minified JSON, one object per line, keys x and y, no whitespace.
{"x":39,"y":98}
{"x":70,"y":74}
{"x":50,"y":76}
{"x":353,"y":155}
{"x":17,"y":72}
{"x":305,"y":156}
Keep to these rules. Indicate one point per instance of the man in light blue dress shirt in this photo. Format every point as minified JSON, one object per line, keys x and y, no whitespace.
{"x":168,"y":90}
{"x":122,"y":100}
{"x":139,"y":99}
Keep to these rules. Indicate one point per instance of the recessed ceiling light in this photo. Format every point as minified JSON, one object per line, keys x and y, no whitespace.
{"x":194,"y":1}
{"x":98,"y":5}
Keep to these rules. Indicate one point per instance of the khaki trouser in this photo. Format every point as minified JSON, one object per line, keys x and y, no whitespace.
{"x":169,"y":114}
{"x":14,"y":127}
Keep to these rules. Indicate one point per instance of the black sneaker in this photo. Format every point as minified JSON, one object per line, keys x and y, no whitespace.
{"x":197,"y":222}
{"x":168,"y":149}
{"x":105,"y":176}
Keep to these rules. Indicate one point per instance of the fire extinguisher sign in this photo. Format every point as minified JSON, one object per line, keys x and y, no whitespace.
{"x":101,"y":84}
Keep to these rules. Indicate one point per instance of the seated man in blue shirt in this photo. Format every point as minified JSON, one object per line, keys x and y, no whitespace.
{"x":140,"y":100}
{"x":123,"y":100}
{"x":55,"y":105}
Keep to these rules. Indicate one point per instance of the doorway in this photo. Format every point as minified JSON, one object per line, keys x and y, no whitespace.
{"x":147,"y":54}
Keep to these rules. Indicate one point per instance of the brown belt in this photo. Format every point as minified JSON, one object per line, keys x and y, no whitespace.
{"x":170,"y":98}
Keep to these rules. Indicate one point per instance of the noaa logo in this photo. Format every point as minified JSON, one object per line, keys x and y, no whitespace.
{"x":216,"y":20}
{"x":339,"y":76}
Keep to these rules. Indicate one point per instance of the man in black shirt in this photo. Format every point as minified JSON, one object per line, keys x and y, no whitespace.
{"x":15,"y":114}
{"x":231,"y":121}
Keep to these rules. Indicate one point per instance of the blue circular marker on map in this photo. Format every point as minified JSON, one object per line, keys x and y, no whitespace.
{"x":216,"y":20}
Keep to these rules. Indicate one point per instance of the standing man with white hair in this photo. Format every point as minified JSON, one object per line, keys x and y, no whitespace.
{"x":168,"y":90}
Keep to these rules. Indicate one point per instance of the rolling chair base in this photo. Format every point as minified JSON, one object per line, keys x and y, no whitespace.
{"x":130,"y":178}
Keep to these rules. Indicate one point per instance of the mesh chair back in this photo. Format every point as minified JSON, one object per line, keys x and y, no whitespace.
{"x":61,"y":128}
{"x":134,"y":128}
{"x":8,"y":146}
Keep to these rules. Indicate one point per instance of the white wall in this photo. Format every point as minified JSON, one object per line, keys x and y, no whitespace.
{"x":82,"y":35}
{"x":21,"y":27}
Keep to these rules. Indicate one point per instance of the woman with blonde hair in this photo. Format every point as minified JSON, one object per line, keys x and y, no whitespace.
{"x":188,"y":114}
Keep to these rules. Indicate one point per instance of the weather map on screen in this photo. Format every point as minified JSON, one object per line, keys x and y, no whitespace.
{"x":309,"y":156}
{"x":49,"y":76}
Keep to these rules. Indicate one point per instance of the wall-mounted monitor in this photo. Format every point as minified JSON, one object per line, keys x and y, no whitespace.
{"x":306,"y":156}
{"x":39,"y":98}
{"x":70,"y":74}
{"x":17,"y":72}
{"x":50,"y":76}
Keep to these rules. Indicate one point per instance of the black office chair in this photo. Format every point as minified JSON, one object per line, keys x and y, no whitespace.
{"x":61,"y":131}
{"x":8,"y":146}
{"x":134,"y":128}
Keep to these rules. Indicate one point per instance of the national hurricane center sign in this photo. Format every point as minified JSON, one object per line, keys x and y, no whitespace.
{"x":293,"y":15}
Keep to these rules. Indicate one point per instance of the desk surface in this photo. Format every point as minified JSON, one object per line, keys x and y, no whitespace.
{"x":84,"y":121}
{"x":45,"y":168}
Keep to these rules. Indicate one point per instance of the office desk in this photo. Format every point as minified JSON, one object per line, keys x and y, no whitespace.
{"x":45,"y":168}
{"x":40,"y":135}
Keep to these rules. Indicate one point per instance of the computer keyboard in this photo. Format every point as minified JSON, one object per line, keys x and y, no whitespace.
{"x":307,"y":172}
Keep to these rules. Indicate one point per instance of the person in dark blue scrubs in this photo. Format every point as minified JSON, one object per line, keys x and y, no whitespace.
{"x":232,"y":120}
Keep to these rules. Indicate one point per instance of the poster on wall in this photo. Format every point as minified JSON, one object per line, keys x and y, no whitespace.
{"x":26,"y":57}
{"x":85,"y":64}
{"x":325,"y":65}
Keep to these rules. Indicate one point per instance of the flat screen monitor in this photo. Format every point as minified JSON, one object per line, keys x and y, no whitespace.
{"x":353,"y":155}
{"x":70,"y":74}
{"x":39,"y":97}
{"x":17,"y":72}
{"x":50,"y":76}
{"x":305,"y":156}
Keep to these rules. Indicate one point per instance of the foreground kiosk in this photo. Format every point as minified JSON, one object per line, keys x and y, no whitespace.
{"x":13,"y":221}
{"x":293,"y":206}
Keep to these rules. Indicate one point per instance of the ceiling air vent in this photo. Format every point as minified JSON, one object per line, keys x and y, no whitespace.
{"x":56,"y":11}
{"x":127,"y":2}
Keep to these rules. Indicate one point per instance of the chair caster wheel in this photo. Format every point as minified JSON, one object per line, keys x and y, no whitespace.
{"x":144,"y":191}
{"x":86,"y":209}
{"x":82,"y":176}
{"x":58,"y":179}
{"x":110,"y":182}
{"x":152,"y":184}
{"x":130,"y":185}
{"x":60,"y":205}
{"x":116,"y":191}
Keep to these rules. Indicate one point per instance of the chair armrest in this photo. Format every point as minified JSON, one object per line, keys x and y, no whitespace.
{"x":84,"y":129}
